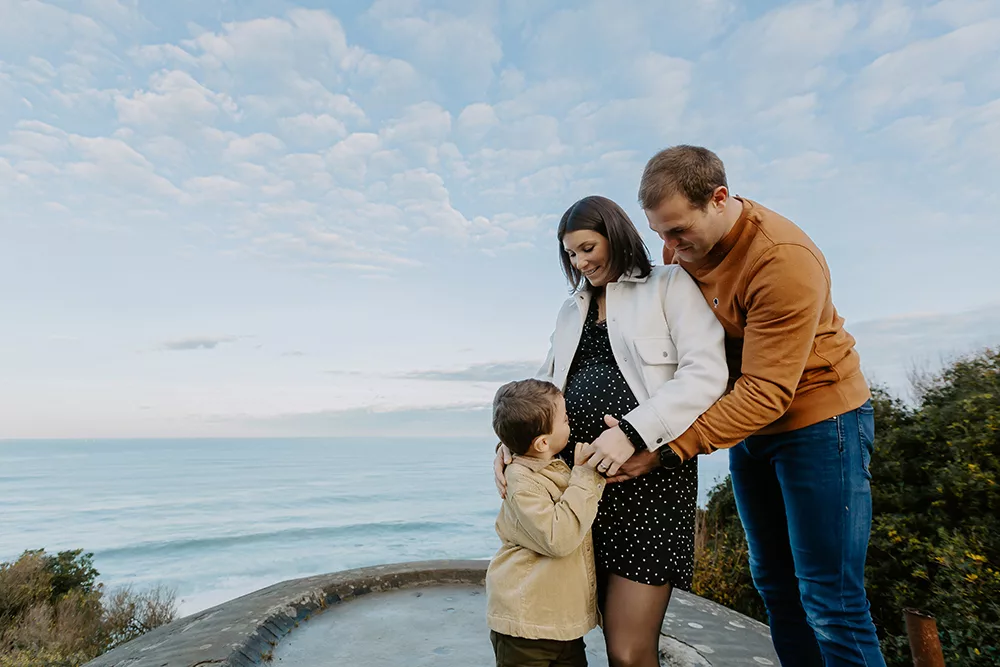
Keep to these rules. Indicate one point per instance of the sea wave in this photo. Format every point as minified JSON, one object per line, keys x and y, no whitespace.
{"x":356,"y":531}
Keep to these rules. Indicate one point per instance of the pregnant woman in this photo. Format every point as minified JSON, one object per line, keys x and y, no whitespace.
{"x":635,"y":348}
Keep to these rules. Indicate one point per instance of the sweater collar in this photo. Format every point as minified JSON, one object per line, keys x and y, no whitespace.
{"x":726,"y":243}
{"x":536,"y":465}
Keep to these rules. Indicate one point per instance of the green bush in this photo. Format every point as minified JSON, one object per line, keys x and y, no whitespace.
{"x":55,"y":613}
{"x":722,"y":569}
{"x":935,"y":543}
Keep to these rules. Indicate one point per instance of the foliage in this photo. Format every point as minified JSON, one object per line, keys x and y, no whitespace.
{"x":935,"y":542}
{"x":55,"y":613}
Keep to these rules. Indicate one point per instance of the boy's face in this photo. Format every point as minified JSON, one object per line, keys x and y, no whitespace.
{"x":560,"y":428}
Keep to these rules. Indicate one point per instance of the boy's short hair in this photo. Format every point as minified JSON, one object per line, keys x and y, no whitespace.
{"x":522,"y":411}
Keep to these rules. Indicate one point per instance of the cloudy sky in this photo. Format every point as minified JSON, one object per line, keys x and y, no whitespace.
{"x":277,"y":218}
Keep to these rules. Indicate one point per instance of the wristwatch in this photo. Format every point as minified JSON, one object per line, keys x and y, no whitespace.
{"x":669,"y":458}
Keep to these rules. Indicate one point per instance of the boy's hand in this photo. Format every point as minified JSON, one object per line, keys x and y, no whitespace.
{"x":500,"y":462}
{"x":583,"y":455}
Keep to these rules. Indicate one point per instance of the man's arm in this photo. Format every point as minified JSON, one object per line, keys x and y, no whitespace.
{"x":786,"y":292}
{"x":556,"y":529}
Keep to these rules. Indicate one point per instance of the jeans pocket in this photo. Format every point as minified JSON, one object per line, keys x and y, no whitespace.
{"x":866,"y":436}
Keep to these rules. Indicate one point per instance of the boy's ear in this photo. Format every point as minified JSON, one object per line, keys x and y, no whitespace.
{"x":540,"y":444}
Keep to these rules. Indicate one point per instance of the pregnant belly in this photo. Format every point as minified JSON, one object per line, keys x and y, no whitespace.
{"x":593,"y":392}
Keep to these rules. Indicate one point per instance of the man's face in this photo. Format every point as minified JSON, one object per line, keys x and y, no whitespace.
{"x":690,"y":232}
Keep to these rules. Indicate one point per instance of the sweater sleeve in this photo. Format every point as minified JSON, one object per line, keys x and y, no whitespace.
{"x":556,"y":529}
{"x":786,"y":290}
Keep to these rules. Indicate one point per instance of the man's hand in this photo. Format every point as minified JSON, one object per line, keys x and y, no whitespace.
{"x":611,"y":448}
{"x":502,"y":460}
{"x":640,"y":463}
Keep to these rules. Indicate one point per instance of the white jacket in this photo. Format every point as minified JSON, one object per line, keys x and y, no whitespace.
{"x":668,"y":345}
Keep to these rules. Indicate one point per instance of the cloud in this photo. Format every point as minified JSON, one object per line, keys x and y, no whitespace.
{"x":475,"y":121}
{"x":214,"y":188}
{"x":175,"y":100}
{"x":936,"y":72}
{"x":485,"y":372}
{"x":112,"y":163}
{"x":890,"y":22}
{"x":445,"y":420}
{"x":256,"y":145}
{"x":315,"y":246}
{"x":809,"y":31}
{"x":462,"y":50}
{"x":420,"y":123}
{"x":197,"y":343}
{"x":957,"y":13}
{"x":305,"y":40}
{"x":385,"y":80}
{"x":349,"y":158}
{"x":891,"y":348}
{"x":39,"y":24}
{"x":310,"y":129}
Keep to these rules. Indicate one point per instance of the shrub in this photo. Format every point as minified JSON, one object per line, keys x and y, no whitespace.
{"x":935,"y":542}
{"x":55,"y":613}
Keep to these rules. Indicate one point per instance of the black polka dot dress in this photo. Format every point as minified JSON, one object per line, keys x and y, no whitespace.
{"x":644,"y":529}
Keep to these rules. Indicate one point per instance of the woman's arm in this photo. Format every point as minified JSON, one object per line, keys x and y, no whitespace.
{"x":701,"y":375}
{"x":548,"y":368}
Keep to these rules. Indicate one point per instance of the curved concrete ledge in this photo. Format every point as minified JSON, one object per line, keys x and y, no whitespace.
{"x":247,"y":630}
{"x":243,"y":632}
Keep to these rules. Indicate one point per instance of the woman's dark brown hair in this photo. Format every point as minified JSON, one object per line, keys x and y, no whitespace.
{"x":599,"y":214}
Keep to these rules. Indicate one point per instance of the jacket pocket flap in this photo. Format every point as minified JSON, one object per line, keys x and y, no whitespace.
{"x":654,"y":351}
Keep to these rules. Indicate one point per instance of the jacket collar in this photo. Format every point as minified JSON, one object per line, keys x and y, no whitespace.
{"x":536,"y":465}
{"x":630,"y":277}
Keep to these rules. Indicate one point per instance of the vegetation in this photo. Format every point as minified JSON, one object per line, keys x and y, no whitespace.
{"x":935,"y":543}
{"x":54,"y":612}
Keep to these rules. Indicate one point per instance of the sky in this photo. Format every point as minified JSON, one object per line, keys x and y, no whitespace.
{"x":264,"y":218}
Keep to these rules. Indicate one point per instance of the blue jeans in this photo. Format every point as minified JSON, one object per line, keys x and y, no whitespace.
{"x":805,"y":502}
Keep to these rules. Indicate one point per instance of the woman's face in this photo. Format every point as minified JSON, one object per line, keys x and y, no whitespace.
{"x":590,"y":254}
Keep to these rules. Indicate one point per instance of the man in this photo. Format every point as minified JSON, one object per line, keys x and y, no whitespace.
{"x":798,"y":418}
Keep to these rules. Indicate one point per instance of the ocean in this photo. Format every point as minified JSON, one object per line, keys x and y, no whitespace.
{"x":214,"y":519}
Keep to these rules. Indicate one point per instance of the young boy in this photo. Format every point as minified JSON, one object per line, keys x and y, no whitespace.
{"x":541,"y":586}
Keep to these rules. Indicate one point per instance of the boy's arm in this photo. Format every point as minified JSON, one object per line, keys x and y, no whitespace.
{"x":555,"y":529}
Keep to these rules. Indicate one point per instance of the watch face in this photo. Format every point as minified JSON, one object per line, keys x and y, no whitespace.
{"x":669,"y":458}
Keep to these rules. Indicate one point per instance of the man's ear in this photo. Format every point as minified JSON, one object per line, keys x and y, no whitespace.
{"x":720,"y":196}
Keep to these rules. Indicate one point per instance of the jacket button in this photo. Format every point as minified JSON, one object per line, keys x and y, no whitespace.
{"x":659,"y":440}
{"x":665,"y":354}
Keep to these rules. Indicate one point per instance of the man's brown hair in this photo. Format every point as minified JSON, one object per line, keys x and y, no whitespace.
{"x":692,"y":171}
{"x":522,"y":411}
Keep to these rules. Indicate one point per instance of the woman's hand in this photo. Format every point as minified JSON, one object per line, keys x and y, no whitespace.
{"x":611,"y":448}
{"x":500,"y":462}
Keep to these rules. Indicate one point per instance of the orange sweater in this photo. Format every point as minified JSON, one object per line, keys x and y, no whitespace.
{"x":791,"y":362}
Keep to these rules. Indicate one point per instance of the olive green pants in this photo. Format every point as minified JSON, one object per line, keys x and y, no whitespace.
{"x":520,"y":652}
